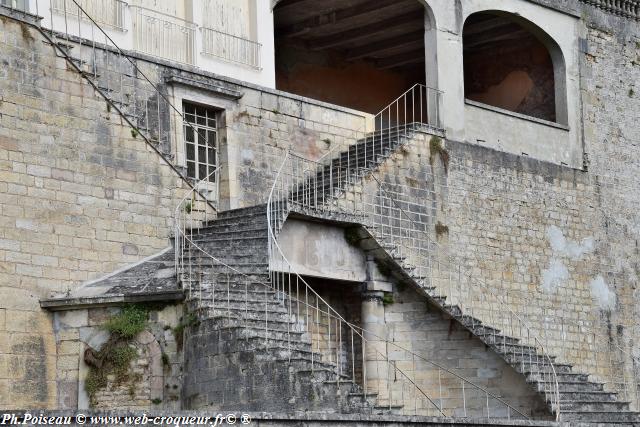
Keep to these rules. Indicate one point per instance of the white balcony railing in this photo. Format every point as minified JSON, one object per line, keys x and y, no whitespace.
{"x":162,"y":35}
{"x":109,"y":13}
{"x":230,"y":48}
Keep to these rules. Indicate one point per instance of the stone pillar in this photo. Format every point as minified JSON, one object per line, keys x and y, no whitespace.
{"x":376,"y":372}
{"x":375,"y":351}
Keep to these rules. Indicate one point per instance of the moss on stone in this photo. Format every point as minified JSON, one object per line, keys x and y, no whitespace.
{"x":129,"y":322}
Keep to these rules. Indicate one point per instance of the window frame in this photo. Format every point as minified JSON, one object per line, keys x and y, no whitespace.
{"x":201,"y":122}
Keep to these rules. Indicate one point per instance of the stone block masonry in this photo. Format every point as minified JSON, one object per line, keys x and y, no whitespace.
{"x":79,"y":197}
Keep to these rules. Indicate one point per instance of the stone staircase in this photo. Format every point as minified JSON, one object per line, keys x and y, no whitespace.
{"x":367,"y":152}
{"x":582,"y":402}
{"x":246,"y":331}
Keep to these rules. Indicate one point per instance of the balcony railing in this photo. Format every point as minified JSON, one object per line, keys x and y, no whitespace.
{"x":108,"y":13}
{"x":230,"y":48}
{"x":162,"y":35}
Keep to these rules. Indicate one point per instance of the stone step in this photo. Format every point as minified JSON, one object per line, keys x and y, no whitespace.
{"x":269,"y":325}
{"x":255,"y":343}
{"x":243,"y":212}
{"x":531,"y":359}
{"x":223,"y":305}
{"x":601,"y":417}
{"x":561,"y":370}
{"x":587,"y":396}
{"x":231,"y":225}
{"x":204,"y":234}
{"x":299,"y":334}
{"x":233,"y":277}
{"x":496,"y":339}
{"x":241,"y":257}
{"x":238,"y":240}
{"x":250,"y":315}
{"x":569,"y":386}
{"x":211,"y":268}
{"x":586,"y":405}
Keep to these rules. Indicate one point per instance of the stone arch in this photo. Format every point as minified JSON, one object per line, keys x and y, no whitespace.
{"x":148,"y":366}
{"x":358,"y":54}
{"x":513,"y":64}
{"x":430,"y":46}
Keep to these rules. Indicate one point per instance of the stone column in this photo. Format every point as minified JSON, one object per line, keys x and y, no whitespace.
{"x":375,"y":351}
{"x":376,"y":372}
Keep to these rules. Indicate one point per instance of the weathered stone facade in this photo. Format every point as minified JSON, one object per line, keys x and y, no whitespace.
{"x":81,"y":196}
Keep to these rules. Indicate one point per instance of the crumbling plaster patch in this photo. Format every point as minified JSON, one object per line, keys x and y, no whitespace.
{"x":557,"y":272}
{"x":604,"y":297}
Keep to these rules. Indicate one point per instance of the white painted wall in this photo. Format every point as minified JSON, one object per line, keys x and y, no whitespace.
{"x":260,"y":29}
{"x":492,"y":128}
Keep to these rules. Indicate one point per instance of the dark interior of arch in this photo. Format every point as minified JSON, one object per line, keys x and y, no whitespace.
{"x":359,"y":54}
{"x":507,"y":66}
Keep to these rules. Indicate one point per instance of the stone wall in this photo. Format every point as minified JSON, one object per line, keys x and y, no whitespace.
{"x":445,"y":350}
{"x":154,"y":377}
{"x":79,"y":196}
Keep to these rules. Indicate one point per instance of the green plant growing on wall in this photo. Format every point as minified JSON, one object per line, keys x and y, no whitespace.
{"x":115,"y":357}
{"x":387,"y":298}
{"x":631,"y":93}
{"x":187,"y":207}
{"x":130,"y":322}
{"x":437,"y":149}
{"x":327,"y":141}
{"x":165,"y":359}
{"x":134,"y":133}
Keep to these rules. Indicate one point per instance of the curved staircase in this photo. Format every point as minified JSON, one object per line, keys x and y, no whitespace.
{"x":244,"y":324}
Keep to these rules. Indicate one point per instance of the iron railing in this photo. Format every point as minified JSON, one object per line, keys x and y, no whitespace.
{"x":109,"y":13}
{"x":163,"y":35}
{"x":302,"y":188}
{"x":230,"y":48}
{"x":101,"y":61}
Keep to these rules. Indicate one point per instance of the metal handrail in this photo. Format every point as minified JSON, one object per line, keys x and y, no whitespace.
{"x":247,"y":52}
{"x":282,"y":206}
{"x":109,"y":43}
{"x":185,"y":23}
{"x":486,"y":290}
{"x":317,"y":166}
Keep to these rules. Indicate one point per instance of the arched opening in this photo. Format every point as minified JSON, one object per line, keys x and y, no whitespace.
{"x":359,"y":54}
{"x":512,"y":64}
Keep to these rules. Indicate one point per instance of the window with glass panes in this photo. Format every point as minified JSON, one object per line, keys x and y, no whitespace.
{"x":201,"y":140}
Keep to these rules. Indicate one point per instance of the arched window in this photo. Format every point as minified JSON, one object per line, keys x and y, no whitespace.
{"x":355,"y":53}
{"x":510,"y":63}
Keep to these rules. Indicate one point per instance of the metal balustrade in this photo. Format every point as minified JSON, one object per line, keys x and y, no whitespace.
{"x":108,"y":13}
{"x":305,"y":176}
{"x":345,"y":185}
{"x":406,"y":239}
{"x":230,"y":48}
{"x":162,"y":35}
